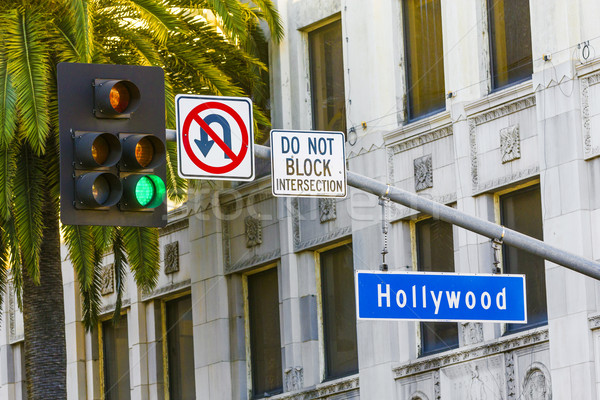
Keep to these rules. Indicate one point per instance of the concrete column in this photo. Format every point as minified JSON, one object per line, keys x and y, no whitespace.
{"x":7,"y":367}
{"x":212,"y":354}
{"x":567,"y":224}
{"x":138,"y":345}
{"x":74,"y":333}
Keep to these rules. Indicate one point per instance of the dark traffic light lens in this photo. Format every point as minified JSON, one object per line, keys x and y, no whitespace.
{"x":119,"y":97}
{"x":100,"y":150}
{"x":144,"y":152}
{"x":100,"y":190}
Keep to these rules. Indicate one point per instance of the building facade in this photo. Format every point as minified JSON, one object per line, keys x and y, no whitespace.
{"x":490,"y":107}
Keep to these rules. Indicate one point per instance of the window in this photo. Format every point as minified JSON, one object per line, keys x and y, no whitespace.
{"x":115,"y":350}
{"x":522,"y":211}
{"x":424,"y":57}
{"x":265,"y":339}
{"x":510,"y":41}
{"x":339,"y":312}
{"x":435,"y":253}
{"x":180,"y":348}
{"x":327,"y":78}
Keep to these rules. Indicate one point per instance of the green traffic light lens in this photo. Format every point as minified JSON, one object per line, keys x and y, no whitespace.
{"x":144,"y":191}
{"x":150,"y":191}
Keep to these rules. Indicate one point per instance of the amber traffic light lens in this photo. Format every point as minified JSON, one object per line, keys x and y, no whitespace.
{"x":100,"y":150}
{"x":144,"y":152}
{"x":119,"y":97}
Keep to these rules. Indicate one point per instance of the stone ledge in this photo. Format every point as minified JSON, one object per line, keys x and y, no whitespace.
{"x":468,"y":353}
{"x":323,"y":390}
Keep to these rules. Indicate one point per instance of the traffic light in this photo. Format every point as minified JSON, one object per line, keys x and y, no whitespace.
{"x":112,"y":145}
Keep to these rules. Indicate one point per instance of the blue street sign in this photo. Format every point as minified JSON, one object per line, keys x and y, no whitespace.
{"x":428,"y":296}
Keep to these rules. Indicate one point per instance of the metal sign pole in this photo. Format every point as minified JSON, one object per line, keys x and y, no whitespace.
{"x":459,"y":218}
{"x":469,"y":222}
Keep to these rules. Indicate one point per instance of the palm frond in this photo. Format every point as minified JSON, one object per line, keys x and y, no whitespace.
{"x":120,"y":264}
{"x":159,"y":20}
{"x":141,"y":245}
{"x":271,"y":16}
{"x":8,"y":166}
{"x":27,"y":209}
{"x":8,"y":104}
{"x":27,"y":64}
{"x":80,"y":245}
{"x":90,"y":295}
{"x":176,"y":186}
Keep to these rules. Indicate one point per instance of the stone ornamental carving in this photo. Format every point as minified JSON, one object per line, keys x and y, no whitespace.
{"x":510,"y":143}
{"x":327,"y":209}
{"x":253,"y":231}
{"x":536,"y":385}
{"x":107,"y":279}
{"x":437,"y":392}
{"x":472,"y":333}
{"x":423,"y":173}
{"x":171,"y":257}
{"x":509,"y":364}
{"x":294,"y":379}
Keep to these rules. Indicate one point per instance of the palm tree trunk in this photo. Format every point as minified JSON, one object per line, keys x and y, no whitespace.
{"x":44,"y":317}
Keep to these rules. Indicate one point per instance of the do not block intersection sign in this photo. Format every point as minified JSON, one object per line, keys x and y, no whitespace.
{"x":215,"y":137}
{"x":308,"y":163}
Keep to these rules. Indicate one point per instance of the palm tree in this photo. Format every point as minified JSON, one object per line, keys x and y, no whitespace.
{"x":205,"y":46}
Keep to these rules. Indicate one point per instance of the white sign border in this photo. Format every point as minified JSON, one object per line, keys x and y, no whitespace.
{"x":358,"y":318}
{"x":309,"y":195}
{"x":208,"y":175}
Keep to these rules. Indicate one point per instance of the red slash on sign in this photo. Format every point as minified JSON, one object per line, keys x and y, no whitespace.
{"x":236,"y":159}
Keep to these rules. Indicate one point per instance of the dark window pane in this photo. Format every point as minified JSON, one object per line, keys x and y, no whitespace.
{"x":327,"y":78}
{"x":510,"y":38}
{"x":265,"y":340}
{"x":339,"y":312}
{"x":435,"y":253}
{"x":180,"y":343}
{"x":522,"y":211}
{"x":424,"y":57}
{"x":116,"y":360}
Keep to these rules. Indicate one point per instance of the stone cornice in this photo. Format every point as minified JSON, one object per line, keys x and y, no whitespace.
{"x":323,"y":390}
{"x":528,"y":338}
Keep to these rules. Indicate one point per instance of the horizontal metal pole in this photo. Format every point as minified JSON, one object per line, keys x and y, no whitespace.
{"x":464,"y":220}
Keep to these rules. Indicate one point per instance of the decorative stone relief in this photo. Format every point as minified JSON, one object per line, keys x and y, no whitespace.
{"x":327,"y":209}
{"x":437,"y":392}
{"x":473,"y":144}
{"x":423,"y":172}
{"x":510,"y":143}
{"x":536,"y":385}
{"x":509,"y":363}
{"x":11,"y":311}
{"x":418,"y":395}
{"x":472,"y":332}
{"x":253,"y":231}
{"x":422,"y":139}
{"x":293,"y":379}
{"x":480,"y":379}
{"x":107,"y":279}
{"x":588,"y":148}
{"x":171,"y":257}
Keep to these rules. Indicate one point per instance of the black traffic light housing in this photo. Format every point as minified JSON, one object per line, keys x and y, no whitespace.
{"x":112,"y":145}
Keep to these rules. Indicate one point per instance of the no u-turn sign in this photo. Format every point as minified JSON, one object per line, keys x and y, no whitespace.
{"x":215,"y":137}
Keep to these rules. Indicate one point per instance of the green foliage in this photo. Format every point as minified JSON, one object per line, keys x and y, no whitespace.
{"x":205,"y":47}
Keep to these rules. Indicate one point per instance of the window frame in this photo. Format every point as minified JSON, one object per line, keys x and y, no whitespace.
{"x":415,"y":267}
{"x":247,"y":330}
{"x":497,"y":215}
{"x":493,"y":88}
{"x":320,"y":315}
{"x":165,"y":344}
{"x":100,"y":339}
{"x":307,"y":31}
{"x":406,"y":62}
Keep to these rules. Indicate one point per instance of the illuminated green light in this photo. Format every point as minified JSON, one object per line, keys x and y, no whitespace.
{"x":144,"y":191}
{"x":150,"y":191}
